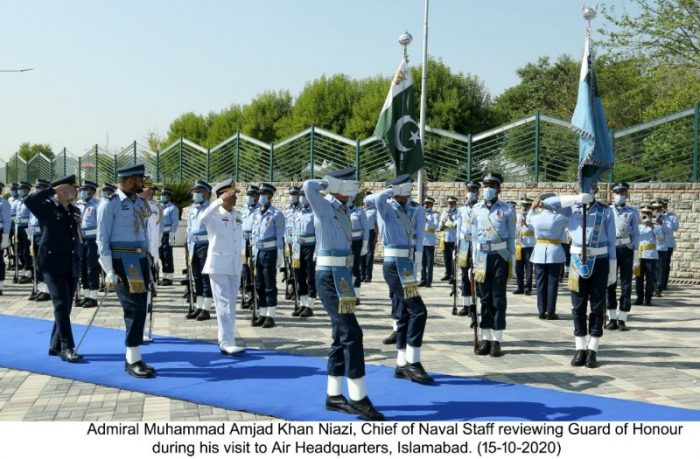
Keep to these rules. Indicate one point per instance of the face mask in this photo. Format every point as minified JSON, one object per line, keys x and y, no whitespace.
{"x":620,"y":199}
{"x":106,"y":194}
{"x":198,"y":197}
{"x":250,"y":200}
{"x":84,"y":195}
{"x":471,"y":196}
{"x":294,"y":199}
{"x":304,"y":201}
{"x":264,"y":200}
{"x":490,"y":194}
{"x":22,"y":193}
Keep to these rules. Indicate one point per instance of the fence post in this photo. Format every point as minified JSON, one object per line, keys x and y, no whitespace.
{"x":611,"y":174}
{"x":311,"y":164}
{"x":65,"y":166}
{"x":238,"y":155}
{"x":469,"y":157}
{"x":116,"y":166}
{"x":96,"y":163}
{"x":208,"y":163}
{"x":158,"y":166}
{"x":180,"y":158}
{"x":357,"y":159}
{"x":272,"y":155}
{"x":537,"y":147}
{"x":696,"y":133}
{"x":80,"y":169}
{"x":135,"y":155}
{"x":16,"y":167}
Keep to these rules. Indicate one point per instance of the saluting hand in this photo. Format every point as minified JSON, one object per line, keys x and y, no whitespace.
{"x":65,"y":193}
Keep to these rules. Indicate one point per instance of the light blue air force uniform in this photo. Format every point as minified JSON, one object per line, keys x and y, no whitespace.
{"x":493,"y":229}
{"x":548,"y":226}
{"x":432,"y":222}
{"x":122,"y":222}
{"x":448,"y":223}
{"x":196,"y":230}
{"x":5,"y":216}
{"x":268,"y":229}
{"x":417,"y":214}
{"x":360,"y":227}
{"x":88,"y":211}
{"x":626,"y":226}
{"x":171,"y":218}
{"x":671,"y":220}
{"x":303,"y":227}
{"x":648,"y":238}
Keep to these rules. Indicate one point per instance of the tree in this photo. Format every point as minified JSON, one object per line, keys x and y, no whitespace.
{"x":190,"y":125}
{"x":666,"y":31}
{"x":262,"y":115}
{"x":28,"y":150}
{"x":224,"y":124}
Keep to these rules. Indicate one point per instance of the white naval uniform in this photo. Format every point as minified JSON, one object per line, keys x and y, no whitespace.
{"x":223,"y":265}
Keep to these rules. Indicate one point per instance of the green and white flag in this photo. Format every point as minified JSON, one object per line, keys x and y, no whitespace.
{"x":396,"y":126}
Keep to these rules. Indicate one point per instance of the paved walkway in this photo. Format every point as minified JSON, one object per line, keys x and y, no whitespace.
{"x":657,"y":360}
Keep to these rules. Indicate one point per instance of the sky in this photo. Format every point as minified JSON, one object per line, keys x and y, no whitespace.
{"x":107,"y":72}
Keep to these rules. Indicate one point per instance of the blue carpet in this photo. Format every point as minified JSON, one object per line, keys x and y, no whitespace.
{"x":293,"y":386}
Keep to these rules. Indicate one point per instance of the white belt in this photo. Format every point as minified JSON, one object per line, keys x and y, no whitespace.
{"x":388,"y":252}
{"x":22,"y":221}
{"x":200,"y":238}
{"x":622,"y":240}
{"x":166,"y":229}
{"x":489,"y":246}
{"x":306,"y":239}
{"x":592,"y":251}
{"x":324,"y":260}
{"x":357,"y":233}
{"x":91,"y":232}
{"x":266,"y":244}
{"x":466,"y":238}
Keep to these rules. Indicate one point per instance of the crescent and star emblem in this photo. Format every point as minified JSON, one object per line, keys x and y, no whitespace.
{"x":398,"y":127}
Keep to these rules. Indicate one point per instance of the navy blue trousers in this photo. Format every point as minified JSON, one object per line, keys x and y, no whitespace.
{"x":368,"y":260}
{"x":410,"y":314}
{"x":448,"y":256}
{"x":426,"y":273}
{"x":667,"y":269}
{"x":356,"y":248}
{"x":266,"y":278}
{"x":165,"y":252}
{"x":347,"y":356}
{"x":661,"y":266}
{"x":91,"y":266}
{"x":466,"y":285}
{"x":133,"y":304}
{"x":645,"y":282}
{"x":306,"y":274}
{"x":523,"y":270}
{"x":62,"y":290}
{"x":35,"y":247}
{"x":592,"y":290}
{"x":493,"y":293}
{"x":625,"y":262}
{"x":547,"y":282}
{"x":202,"y":287}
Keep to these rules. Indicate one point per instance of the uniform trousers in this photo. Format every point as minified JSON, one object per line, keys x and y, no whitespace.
{"x":646,"y":279}
{"x":36,"y":239}
{"x":91,"y":266}
{"x":356,"y":248}
{"x":62,"y":287}
{"x":133,"y":304}
{"x":266,"y":278}
{"x":165,"y":253}
{"x":202,"y":287}
{"x":547,"y":284}
{"x":448,"y":256}
{"x":225,"y":291}
{"x":523,"y":269}
{"x":493,"y":293}
{"x":667,"y":269}
{"x":625,"y":265}
{"x":25,"y":260}
{"x":592,"y":290}
{"x":410,"y":314}
{"x":466,"y":286}
{"x":246,"y":275}
{"x":368,"y":260}
{"x":661,"y":265}
{"x":305,"y":274}
{"x":426,"y":273}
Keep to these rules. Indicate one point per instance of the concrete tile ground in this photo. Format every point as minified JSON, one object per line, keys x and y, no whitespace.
{"x":657,"y":360}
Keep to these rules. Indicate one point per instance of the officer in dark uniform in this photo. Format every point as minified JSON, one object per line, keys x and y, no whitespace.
{"x":122,"y":240}
{"x":59,"y":257}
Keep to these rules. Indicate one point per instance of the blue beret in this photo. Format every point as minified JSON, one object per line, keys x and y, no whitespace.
{"x":67,"y":180}
{"x":404,"y":178}
{"x":267,"y":188}
{"x":203,"y":185}
{"x":347,"y":173}
{"x":131,"y":170}
{"x":223,"y":187}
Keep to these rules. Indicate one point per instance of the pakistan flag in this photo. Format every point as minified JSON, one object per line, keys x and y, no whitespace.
{"x":396,"y":126}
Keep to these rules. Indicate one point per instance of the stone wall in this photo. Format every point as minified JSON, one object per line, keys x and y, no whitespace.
{"x":684,"y":200}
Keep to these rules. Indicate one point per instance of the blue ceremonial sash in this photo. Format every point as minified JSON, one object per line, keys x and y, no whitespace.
{"x":342,"y":280}
{"x":130,"y":254}
{"x":581,"y":269}
{"x":404,"y":268}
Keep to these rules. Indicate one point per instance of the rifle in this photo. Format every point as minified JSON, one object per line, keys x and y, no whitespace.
{"x":246,"y":282}
{"x":16,"y":279}
{"x":288,"y":267}
{"x":251,"y":268}
{"x":31,"y":252}
{"x":472,"y":309}
{"x":152,"y":293}
{"x":190,"y":278}
{"x":454,"y":281}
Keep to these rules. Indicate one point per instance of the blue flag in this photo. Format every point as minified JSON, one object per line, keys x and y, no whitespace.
{"x":595,"y":154}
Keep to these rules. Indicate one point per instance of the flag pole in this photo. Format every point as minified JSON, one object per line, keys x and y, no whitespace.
{"x":588,"y":14}
{"x":423,"y":97}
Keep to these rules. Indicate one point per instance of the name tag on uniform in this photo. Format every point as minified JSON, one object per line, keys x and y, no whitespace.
{"x":88,"y":211}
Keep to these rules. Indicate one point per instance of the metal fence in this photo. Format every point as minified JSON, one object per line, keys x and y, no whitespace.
{"x":538,"y":148}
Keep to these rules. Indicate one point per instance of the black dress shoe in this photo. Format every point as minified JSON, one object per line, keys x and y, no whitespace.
{"x":368,"y":280}
{"x":463,"y":312}
{"x":25,"y":280}
{"x":204,"y":315}
{"x":43,"y":296}
{"x":297,"y":311}
{"x":528,"y":292}
{"x":54,"y":352}
{"x":306,"y":312}
{"x":542,"y":316}
{"x":139,"y":369}
{"x":638,"y":302}
{"x":338,"y":403}
{"x":484,"y":347}
{"x":552,"y":316}
{"x":166,"y":282}
{"x":269,"y":323}
{"x":90,"y":303}
{"x":79,"y":302}
{"x":518,"y":292}
{"x":391,"y":339}
{"x":32,"y":297}
{"x":579,"y":358}
{"x":427,"y":286}
{"x":258,"y":322}
{"x":611,"y":325}
{"x":68,"y":355}
{"x":656,"y":292}
{"x":445,"y":278}
{"x":414,"y":372}
{"x":366,"y":410}
{"x":194,"y":314}
{"x":496,"y":349}
{"x":422,"y":284}
{"x":591,"y":361}
{"x":647,"y":303}
{"x":621,"y":325}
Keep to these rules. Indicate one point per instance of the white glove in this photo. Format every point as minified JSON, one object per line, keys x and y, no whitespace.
{"x":349,"y":187}
{"x":280,"y":258}
{"x":569,"y":201}
{"x":512,"y":267}
{"x":332,"y":184}
{"x":403,"y":190}
{"x":418,"y":263}
{"x":612,"y":274}
{"x":172,"y":239}
{"x":5,"y":241}
{"x":111,"y":277}
{"x":365,"y":248}
{"x":390,"y":191}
